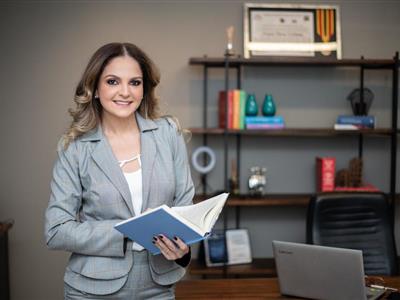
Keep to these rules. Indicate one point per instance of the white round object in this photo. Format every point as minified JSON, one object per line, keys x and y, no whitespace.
{"x":207,"y":168}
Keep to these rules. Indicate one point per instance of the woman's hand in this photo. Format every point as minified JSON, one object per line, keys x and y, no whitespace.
{"x":171,"y":250}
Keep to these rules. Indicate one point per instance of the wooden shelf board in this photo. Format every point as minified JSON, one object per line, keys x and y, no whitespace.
{"x":293,"y":132}
{"x":266,"y":200}
{"x":259,"y":266}
{"x":219,"y":62}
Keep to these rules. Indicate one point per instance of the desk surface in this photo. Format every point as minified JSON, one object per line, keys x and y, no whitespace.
{"x":255,"y":288}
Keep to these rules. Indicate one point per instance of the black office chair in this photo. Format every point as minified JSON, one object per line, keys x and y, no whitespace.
{"x":356,"y":221}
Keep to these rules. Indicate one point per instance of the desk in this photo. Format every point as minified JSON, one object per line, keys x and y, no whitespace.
{"x":255,"y":288}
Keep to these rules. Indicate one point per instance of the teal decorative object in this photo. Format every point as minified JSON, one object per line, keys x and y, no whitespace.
{"x":268,"y":108}
{"x":251,"y":106}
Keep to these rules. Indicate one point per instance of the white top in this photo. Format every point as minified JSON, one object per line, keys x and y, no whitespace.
{"x":134,"y":180}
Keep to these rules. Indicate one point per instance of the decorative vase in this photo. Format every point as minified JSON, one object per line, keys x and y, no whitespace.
{"x":257,"y":180}
{"x":268,"y":108}
{"x":361,"y":108}
{"x":251,"y":106}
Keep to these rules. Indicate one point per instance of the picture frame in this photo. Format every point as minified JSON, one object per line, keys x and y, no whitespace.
{"x":292,"y":30}
{"x":229,"y":247}
{"x":215,"y":251}
{"x":238,"y":246}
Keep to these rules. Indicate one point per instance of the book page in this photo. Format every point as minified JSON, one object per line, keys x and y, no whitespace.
{"x":203,"y":214}
{"x":185,"y":221}
{"x":211,"y":217}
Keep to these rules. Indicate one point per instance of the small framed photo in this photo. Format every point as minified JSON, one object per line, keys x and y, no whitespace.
{"x":292,"y":30}
{"x":238,"y":246}
{"x":228,"y":247}
{"x":215,"y":251}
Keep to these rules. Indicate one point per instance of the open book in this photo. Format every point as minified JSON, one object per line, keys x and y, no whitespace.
{"x":191,"y":223}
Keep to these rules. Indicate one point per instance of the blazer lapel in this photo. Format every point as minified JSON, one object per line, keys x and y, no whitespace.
{"x":148,"y":155}
{"x":105,"y":159}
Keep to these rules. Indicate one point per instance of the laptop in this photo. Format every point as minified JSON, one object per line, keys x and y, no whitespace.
{"x":319,"y":272}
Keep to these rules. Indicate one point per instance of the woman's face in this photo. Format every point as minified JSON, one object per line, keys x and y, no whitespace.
{"x":120,"y":87}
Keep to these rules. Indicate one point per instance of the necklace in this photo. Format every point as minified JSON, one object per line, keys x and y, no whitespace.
{"x":123,"y":162}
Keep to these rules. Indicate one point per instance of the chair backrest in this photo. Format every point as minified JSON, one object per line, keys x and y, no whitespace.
{"x":356,"y":221}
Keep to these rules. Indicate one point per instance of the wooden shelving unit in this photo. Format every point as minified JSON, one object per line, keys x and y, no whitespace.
{"x":265,"y":266}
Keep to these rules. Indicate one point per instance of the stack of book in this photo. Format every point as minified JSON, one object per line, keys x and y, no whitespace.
{"x":275,"y":122}
{"x":235,"y":109}
{"x":345,"y":122}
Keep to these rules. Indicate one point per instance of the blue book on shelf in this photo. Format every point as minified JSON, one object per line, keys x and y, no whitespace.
{"x":264,"y":120}
{"x":191,"y":223}
{"x":362,"y":121}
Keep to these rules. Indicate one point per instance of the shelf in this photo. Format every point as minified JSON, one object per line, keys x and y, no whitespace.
{"x":293,"y":132}
{"x":219,"y":62}
{"x":259,"y":267}
{"x":266,"y":200}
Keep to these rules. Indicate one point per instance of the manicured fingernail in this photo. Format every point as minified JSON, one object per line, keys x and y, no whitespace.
{"x":154,"y":239}
{"x":153,"y":242}
{"x":160,"y":236}
{"x":175,"y":238}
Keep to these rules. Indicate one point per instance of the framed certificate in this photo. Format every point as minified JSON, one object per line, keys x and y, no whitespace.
{"x":292,"y":30}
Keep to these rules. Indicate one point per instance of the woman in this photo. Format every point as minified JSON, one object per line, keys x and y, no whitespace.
{"x":117,"y":159}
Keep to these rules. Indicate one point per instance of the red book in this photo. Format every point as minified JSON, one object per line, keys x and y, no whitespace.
{"x":230,"y":108}
{"x":222,"y":109}
{"x":326,"y":174}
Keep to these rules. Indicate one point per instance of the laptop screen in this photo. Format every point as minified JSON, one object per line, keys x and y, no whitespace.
{"x":318,"y":272}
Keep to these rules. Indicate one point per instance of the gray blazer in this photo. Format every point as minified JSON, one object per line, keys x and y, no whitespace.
{"x":89,"y":195}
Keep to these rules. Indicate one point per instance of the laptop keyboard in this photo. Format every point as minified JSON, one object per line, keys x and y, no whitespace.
{"x":373,"y":293}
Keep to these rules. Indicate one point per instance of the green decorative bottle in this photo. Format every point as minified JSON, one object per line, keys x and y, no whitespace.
{"x":268,"y":108}
{"x":251,"y":106}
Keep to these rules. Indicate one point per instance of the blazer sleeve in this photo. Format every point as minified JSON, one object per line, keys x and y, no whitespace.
{"x":184,"y":191}
{"x":63,"y":229}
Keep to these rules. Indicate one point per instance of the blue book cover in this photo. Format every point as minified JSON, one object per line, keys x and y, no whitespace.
{"x":363,"y":121}
{"x":191,"y":223}
{"x":264,"y":120}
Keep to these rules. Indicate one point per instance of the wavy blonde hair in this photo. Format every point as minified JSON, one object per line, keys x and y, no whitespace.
{"x":86,"y":115}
